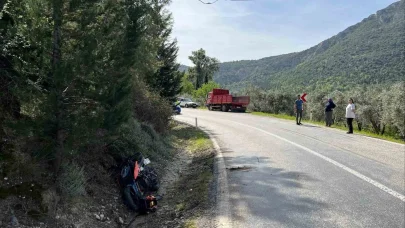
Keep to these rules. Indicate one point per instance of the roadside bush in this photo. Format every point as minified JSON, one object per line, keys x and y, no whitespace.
{"x":200,"y":95}
{"x":147,"y":128}
{"x":394,"y":110}
{"x":339,"y":112}
{"x":151,"y":108}
{"x":72,"y":180}
{"x":140,"y":137}
{"x":276,"y":102}
{"x":257,"y":97}
{"x":187,"y":86}
{"x":369,"y":109}
{"x":316,"y":105}
{"x":379,"y":108}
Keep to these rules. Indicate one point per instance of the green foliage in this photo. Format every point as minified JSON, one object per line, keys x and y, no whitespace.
{"x":72,"y":181}
{"x":370,"y":52}
{"x":201,"y":94}
{"x":378,"y":108}
{"x":393,"y":109}
{"x":137,"y":137}
{"x":187,"y":86}
{"x":167,"y":79}
{"x":73,"y":73}
{"x":204,"y":68}
{"x":151,"y":108}
{"x":273,"y":101}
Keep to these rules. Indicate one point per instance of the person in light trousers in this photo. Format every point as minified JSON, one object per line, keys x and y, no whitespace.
{"x":350,"y":115}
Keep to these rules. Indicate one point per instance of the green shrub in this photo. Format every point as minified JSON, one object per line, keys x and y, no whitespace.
{"x":147,"y":128}
{"x":378,"y":107}
{"x":140,"y":137}
{"x":151,"y":108}
{"x":72,"y":181}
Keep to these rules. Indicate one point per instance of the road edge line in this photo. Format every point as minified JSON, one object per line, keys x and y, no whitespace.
{"x":222,"y":189}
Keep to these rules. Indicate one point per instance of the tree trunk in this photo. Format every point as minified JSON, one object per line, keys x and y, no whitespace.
{"x":206,"y":78}
{"x":359,"y":125}
{"x":199,"y":77}
{"x":383,"y":130}
{"x":55,"y":78}
{"x":376,"y":127}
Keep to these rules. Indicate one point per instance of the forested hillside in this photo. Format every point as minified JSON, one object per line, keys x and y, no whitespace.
{"x":369,"y":52}
{"x":83,"y":84}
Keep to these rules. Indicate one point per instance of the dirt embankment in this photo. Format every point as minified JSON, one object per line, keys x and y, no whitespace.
{"x":186,"y":179}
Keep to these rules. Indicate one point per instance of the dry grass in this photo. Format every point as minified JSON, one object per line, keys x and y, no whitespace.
{"x":189,"y":224}
{"x":194,"y":185}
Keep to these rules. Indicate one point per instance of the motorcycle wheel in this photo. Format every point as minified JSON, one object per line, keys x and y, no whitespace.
{"x":151,"y":180}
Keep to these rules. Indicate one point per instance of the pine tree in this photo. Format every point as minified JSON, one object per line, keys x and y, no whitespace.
{"x":167,"y":79}
{"x":70,"y":67}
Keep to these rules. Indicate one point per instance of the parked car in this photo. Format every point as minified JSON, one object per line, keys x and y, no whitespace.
{"x":187,"y":103}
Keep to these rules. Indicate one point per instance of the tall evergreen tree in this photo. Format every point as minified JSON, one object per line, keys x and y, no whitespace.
{"x":70,"y":67}
{"x":204,"y":67}
{"x":167,"y":79}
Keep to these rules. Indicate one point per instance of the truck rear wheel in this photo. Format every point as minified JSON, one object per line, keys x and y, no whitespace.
{"x":225,"y":108}
{"x":209,"y":107}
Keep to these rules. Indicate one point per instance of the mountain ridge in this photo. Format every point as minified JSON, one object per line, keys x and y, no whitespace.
{"x":371,"y":51}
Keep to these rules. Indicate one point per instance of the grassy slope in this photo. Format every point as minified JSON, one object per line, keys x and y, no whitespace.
{"x":193,"y":187}
{"x":189,"y":175}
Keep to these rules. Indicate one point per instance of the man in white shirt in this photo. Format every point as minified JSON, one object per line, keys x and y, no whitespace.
{"x":350,"y":115}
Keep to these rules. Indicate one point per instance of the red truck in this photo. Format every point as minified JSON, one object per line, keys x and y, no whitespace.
{"x":222,"y":100}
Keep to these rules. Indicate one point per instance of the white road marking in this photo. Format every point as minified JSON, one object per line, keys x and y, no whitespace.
{"x":223,"y":206}
{"x":355,"y":173}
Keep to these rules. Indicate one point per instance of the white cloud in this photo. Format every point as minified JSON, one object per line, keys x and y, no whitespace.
{"x":235,"y":30}
{"x":217,"y":29}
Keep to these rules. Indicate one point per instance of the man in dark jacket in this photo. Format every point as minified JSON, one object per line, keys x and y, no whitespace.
{"x":298,"y":108}
{"x":329,"y":112}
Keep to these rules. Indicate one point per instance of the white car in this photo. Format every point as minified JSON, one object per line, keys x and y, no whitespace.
{"x":187,"y":103}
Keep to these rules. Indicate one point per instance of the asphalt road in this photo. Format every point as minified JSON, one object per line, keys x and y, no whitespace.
{"x":305,"y":176}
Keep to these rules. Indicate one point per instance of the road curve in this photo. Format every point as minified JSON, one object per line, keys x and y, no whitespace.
{"x":305,"y":176}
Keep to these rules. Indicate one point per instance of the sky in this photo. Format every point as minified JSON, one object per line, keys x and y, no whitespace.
{"x":246,"y":30}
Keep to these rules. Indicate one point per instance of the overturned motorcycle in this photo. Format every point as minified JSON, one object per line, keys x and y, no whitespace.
{"x":138,"y":182}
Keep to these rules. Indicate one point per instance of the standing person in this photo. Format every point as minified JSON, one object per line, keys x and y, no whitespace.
{"x":350,"y":115}
{"x":329,"y":112}
{"x":298,"y":108}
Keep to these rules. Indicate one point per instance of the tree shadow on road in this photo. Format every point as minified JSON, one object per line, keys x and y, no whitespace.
{"x":270,"y":194}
